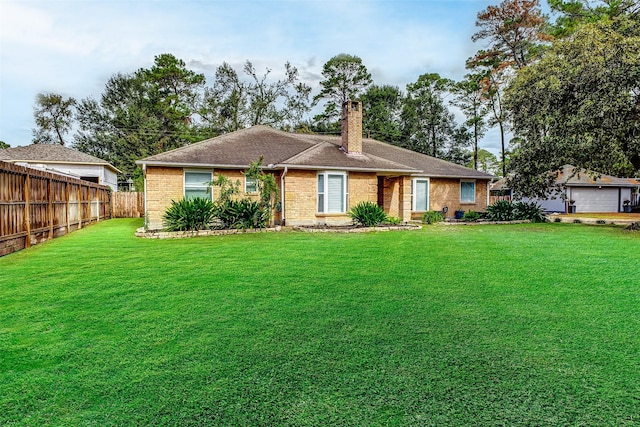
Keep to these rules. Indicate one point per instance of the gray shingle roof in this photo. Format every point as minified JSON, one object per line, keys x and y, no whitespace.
{"x":49,"y":153}
{"x":584,"y":178}
{"x":307,"y":151}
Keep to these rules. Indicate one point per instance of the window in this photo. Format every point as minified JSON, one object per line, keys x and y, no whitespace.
{"x":420,"y":195}
{"x":332,"y":192}
{"x":250,"y":184}
{"x":467,"y":192}
{"x":196,"y":184}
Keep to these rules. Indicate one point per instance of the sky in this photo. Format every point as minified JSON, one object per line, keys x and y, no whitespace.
{"x":72,"y":47}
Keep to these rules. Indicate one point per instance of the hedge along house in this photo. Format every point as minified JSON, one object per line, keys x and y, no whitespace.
{"x":320,"y":177}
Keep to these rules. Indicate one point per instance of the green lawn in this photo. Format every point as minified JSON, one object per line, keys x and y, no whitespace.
{"x":484,"y":325}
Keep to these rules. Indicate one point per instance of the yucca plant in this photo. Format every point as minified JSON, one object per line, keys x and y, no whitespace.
{"x":242,"y":213}
{"x":367,"y":214}
{"x":529,"y":210}
{"x":189,"y":215}
{"x":502,"y":210}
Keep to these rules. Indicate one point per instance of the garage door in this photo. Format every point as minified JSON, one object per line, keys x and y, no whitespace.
{"x":595,"y":199}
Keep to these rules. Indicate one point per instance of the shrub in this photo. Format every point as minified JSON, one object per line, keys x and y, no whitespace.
{"x":529,"y":210}
{"x":431,"y":217}
{"x":367,"y":214}
{"x":634,"y":226}
{"x":502,"y":210}
{"x":189,"y":215}
{"x":471,"y":216}
{"x":393,"y":220}
{"x":243,"y":214}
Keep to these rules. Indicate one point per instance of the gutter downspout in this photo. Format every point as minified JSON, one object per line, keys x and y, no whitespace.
{"x":284,"y":173}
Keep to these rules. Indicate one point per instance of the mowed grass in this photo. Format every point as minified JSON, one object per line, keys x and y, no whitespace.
{"x":485,"y":325}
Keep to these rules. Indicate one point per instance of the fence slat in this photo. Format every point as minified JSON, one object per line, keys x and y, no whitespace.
{"x":36,"y":206}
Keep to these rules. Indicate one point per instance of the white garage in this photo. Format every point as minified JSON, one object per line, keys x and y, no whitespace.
{"x":595,"y":199}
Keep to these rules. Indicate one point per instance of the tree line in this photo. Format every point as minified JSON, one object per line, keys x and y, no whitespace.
{"x":566,"y":91}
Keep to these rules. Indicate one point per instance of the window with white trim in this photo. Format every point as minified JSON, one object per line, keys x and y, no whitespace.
{"x":196,"y":184}
{"x":420,"y":194}
{"x":332,"y":192}
{"x":467,"y":191}
{"x":250,"y":184}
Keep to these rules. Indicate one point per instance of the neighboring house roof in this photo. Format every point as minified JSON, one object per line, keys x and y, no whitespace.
{"x":305,"y":151}
{"x":51,"y":153}
{"x":581,"y":178}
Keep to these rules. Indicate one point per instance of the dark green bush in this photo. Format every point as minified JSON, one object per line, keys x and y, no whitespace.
{"x":471,"y":216}
{"x":502,"y":210}
{"x":189,"y":215}
{"x":431,"y":217}
{"x":528,"y":210}
{"x":367,"y":214}
{"x":242,"y":214}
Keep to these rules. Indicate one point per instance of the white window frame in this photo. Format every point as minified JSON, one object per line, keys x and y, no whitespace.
{"x":199,"y":186}
{"x":470,"y":181}
{"x":414,"y":183}
{"x":247,"y":180}
{"x":322,"y":206}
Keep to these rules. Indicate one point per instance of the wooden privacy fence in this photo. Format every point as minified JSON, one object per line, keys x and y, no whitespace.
{"x":36,"y":206}
{"x":127,"y":204}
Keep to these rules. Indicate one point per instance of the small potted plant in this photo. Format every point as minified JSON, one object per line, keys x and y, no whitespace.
{"x":626,"y":205}
{"x":572,"y":206}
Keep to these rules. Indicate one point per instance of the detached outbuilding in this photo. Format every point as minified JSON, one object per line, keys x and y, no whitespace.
{"x":63,"y":161}
{"x":583,"y":191}
{"x":320,"y":177}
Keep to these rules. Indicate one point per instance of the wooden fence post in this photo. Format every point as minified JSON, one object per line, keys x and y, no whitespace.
{"x":79,"y":207}
{"x":67,"y":215}
{"x":50,"y":208}
{"x":27,"y":213}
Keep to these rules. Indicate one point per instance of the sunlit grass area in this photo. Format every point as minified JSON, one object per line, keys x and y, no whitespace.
{"x":528,"y":324}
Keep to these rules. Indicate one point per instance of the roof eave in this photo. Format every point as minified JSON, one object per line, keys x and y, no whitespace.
{"x":63,"y":162}
{"x":613,"y":185}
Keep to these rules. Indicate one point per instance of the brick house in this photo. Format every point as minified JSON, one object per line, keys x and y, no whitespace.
{"x":320,"y":177}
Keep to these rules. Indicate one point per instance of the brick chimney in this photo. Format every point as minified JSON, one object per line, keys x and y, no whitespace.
{"x":352,"y":127}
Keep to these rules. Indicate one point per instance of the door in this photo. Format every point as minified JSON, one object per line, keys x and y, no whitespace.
{"x":594,"y":199}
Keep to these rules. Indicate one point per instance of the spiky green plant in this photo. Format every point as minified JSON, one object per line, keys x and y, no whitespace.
{"x":189,"y":215}
{"x":529,"y":210}
{"x":502,"y":210}
{"x":367,"y":214}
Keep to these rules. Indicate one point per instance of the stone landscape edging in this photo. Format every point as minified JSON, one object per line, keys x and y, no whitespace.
{"x":159,"y":234}
{"x":329,"y":229}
